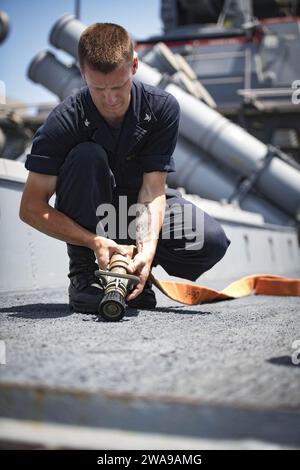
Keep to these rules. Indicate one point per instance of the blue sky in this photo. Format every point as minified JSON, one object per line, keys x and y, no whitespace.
{"x":32,"y":20}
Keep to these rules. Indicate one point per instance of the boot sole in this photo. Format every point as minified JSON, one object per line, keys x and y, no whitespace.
{"x":82,"y":307}
{"x":142,"y":304}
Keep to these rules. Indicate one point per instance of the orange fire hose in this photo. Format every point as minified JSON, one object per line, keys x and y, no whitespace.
{"x":193,"y":294}
{"x":260,"y":284}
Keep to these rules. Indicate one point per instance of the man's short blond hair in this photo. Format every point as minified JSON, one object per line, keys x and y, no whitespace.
{"x":104,"y":46}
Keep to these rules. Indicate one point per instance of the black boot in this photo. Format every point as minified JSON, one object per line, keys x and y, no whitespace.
{"x":85,"y":290}
{"x":146,"y":299}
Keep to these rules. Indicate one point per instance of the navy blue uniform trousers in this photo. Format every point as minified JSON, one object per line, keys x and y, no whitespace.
{"x":85,"y":181}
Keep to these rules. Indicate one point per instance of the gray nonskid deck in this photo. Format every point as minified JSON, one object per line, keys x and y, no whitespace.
{"x":231,"y":357}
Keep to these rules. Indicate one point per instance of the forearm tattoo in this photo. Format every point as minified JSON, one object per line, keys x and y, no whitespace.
{"x":145,"y":224}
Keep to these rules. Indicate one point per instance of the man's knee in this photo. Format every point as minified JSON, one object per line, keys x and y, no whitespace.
{"x":85,"y":181}
{"x":189,"y":258}
{"x":216,"y":243}
{"x":86,"y":161}
{"x":87,"y":155}
{"x":210,"y":242}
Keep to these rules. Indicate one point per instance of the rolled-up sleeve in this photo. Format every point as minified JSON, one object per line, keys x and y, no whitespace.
{"x":52,"y":142}
{"x":158,"y":153}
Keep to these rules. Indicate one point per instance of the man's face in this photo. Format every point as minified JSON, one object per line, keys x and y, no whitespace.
{"x":110,"y":92}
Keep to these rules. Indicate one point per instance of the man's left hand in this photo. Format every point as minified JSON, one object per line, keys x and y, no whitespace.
{"x":140,"y":266}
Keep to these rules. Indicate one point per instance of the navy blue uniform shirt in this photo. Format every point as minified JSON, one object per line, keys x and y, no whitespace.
{"x":146,"y":140}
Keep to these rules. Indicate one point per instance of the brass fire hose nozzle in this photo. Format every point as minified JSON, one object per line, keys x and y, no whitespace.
{"x":117,"y":284}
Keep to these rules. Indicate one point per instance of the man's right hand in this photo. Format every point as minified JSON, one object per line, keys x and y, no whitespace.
{"x":104,"y":248}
